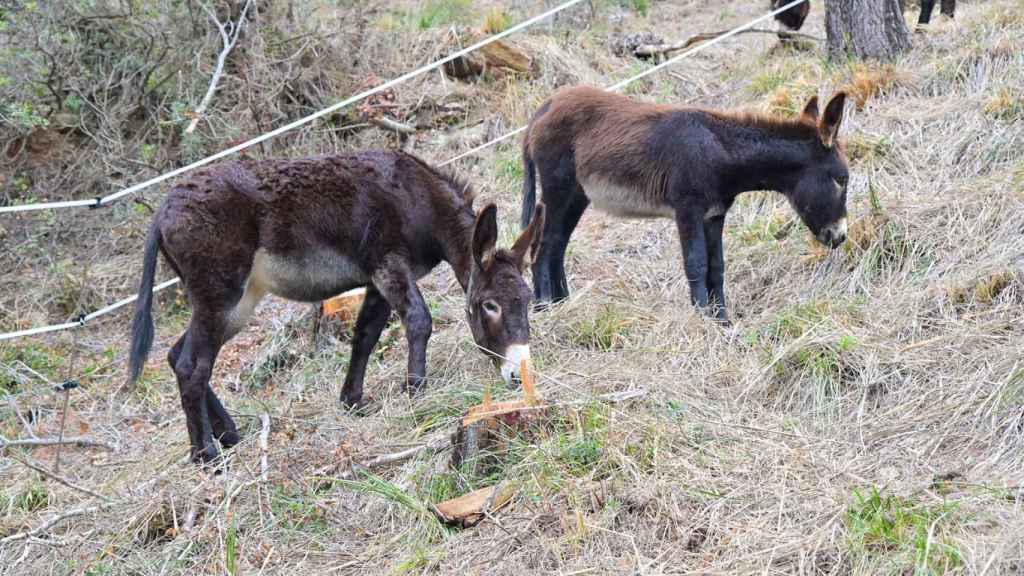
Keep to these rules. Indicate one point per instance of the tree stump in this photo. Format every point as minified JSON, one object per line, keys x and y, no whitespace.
{"x":865,"y":29}
{"x":482,"y":436}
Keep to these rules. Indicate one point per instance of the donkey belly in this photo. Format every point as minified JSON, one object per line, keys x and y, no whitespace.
{"x":624,"y":201}
{"x":308,"y":276}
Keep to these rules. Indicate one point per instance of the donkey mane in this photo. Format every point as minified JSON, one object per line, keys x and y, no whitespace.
{"x":462,"y":186}
{"x":800,"y":128}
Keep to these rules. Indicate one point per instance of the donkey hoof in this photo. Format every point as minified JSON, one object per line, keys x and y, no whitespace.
{"x":357,"y":406}
{"x":228,"y":440}
{"x":206,"y":456}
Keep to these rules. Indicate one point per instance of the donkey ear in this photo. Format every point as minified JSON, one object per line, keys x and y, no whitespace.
{"x":828,"y":126}
{"x":811,"y":109}
{"x":530,"y":239}
{"x":485,"y":233}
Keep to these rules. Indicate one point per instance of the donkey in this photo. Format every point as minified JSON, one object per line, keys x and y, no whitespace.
{"x":308,"y":229}
{"x":635,"y":159}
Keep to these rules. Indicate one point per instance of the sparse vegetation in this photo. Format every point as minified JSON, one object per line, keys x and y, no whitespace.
{"x":912,"y":535}
{"x":863,"y":415}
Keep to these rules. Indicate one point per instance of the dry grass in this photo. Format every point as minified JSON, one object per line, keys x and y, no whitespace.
{"x":865,"y":415}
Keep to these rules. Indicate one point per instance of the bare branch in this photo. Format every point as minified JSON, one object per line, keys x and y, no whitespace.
{"x":58,"y":519}
{"x":393,"y":125}
{"x":80,"y":441}
{"x":58,"y":478}
{"x":649,"y":50}
{"x":264,"y":437}
{"x":229,"y":42}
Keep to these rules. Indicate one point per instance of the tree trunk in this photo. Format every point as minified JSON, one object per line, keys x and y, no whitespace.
{"x":865,"y":29}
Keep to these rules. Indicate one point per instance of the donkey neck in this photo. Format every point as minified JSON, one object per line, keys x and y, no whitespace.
{"x":763,"y":154}
{"x":457,"y":240}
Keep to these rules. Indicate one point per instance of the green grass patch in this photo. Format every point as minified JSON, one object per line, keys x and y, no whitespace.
{"x":33,"y":498}
{"x":865,"y":148}
{"x":910,"y":535}
{"x":605,"y":329}
{"x":36,"y":357}
{"x":444,"y":13}
{"x":377,"y":486}
{"x":766,"y":229}
{"x":296,"y":510}
{"x":790,"y":324}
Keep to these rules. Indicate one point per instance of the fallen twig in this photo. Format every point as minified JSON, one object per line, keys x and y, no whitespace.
{"x":229,"y":43}
{"x":17,"y":412}
{"x":433,"y":445}
{"x":58,"y":478}
{"x":80,"y":441}
{"x":648,"y":50}
{"x":264,"y":437}
{"x":393,"y":125}
{"x":56,"y":520}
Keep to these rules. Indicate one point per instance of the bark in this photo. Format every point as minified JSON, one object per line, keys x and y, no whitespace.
{"x":865,"y":29}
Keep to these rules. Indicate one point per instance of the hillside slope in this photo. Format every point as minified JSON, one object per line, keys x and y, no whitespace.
{"x":864,"y":415}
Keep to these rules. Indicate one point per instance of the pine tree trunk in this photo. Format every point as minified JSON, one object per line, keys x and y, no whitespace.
{"x":865,"y":29}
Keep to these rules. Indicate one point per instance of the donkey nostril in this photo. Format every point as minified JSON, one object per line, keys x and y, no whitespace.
{"x":516,"y":380}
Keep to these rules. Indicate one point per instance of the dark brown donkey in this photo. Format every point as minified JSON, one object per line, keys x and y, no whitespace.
{"x":644,"y":160}
{"x":308,"y":229}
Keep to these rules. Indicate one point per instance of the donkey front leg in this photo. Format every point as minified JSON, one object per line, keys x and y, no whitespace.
{"x":695,"y":255}
{"x":716,"y":267}
{"x":373,"y":316}
{"x":397,"y":284}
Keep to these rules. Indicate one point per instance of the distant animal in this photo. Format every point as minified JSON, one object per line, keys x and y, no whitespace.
{"x":634,"y":159}
{"x":793,"y":18}
{"x":308,"y":229}
{"x":948,"y":8}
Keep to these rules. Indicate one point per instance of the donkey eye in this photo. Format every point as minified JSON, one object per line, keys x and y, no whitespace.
{"x":491,"y":307}
{"x":842,"y":181}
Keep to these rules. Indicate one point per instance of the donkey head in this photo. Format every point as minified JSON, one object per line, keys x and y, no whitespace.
{"x":498,"y":298}
{"x":818,"y":189}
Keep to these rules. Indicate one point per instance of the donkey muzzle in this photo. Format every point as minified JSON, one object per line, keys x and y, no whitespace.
{"x":834,"y":234}
{"x":512,"y":360}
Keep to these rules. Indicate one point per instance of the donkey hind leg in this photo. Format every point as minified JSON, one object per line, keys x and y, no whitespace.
{"x":565,"y":202}
{"x":193,"y":368}
{"x":695,"y":255}
{"x":569,"y":217}
{"x":223,"y":426}
{"x":396,"y":283}
{"x":716,"y":267}
{"x":373,"y":316}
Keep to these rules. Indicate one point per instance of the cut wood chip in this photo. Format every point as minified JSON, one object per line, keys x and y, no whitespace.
{"x":345,"y":306}
{"x":469,"y":509}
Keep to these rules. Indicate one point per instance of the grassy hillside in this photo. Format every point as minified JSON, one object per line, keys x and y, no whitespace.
{"x":864,"y":415}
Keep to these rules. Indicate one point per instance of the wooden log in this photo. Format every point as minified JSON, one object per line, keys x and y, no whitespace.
{"x":496,"y":59}
{"x":469,"y":509}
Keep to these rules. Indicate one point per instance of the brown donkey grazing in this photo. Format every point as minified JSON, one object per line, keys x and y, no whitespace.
{"x":636,"y":159}
{"x":308,"y":229}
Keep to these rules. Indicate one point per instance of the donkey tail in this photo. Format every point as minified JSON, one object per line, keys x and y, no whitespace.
{"x":142,"y":324}
{"x":529,"y":188}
